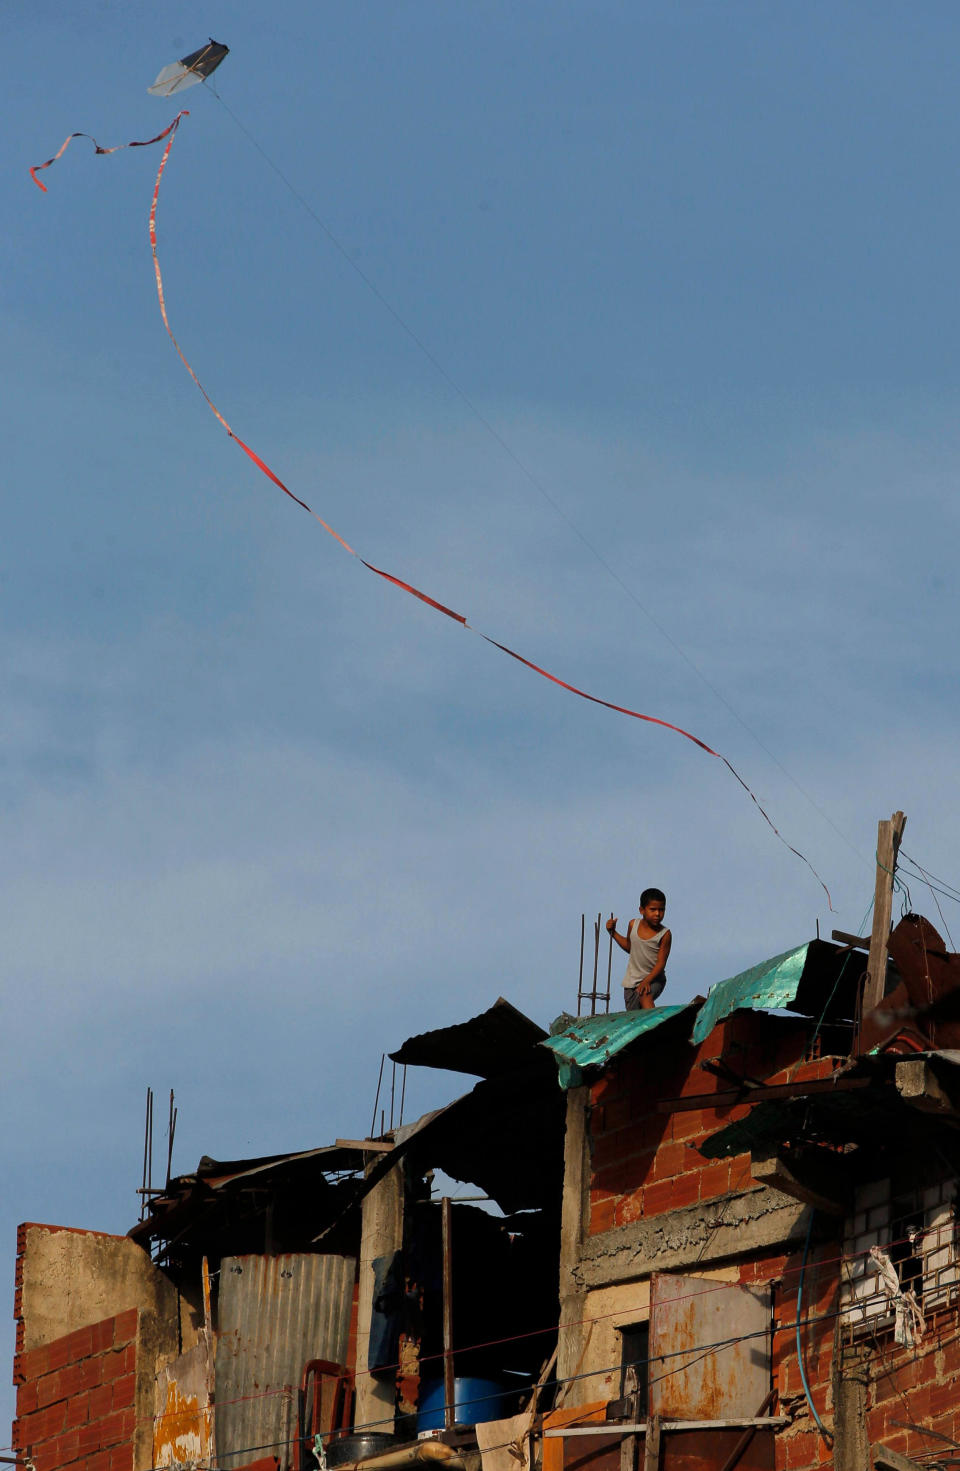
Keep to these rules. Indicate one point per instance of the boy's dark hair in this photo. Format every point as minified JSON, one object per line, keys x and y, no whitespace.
{"x":648,"y":896}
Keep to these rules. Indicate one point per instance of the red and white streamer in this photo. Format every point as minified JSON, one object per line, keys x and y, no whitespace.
{"x":170,"y":133}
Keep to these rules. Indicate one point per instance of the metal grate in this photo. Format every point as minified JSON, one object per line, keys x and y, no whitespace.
{"x":916,"y":1231}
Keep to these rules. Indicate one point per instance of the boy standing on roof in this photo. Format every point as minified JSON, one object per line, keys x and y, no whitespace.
{"x":648,"y":945}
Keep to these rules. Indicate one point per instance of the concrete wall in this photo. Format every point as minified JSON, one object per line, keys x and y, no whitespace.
{"x":68,"y":1278}
{"x":96,"y":1320}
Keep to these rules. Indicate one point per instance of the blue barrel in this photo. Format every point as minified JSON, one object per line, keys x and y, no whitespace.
{"x":475,"y":1400}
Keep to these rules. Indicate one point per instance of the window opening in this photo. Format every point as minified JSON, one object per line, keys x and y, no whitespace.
{"x":912,"y":1232}
{"x":634,"y":1356}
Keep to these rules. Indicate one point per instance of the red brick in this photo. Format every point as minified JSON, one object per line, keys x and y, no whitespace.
{"x":59,"y":1352}
{"x":606,"y":1087}
{"x":42,"y":1424}
{"x":48,"y":1389}
{"x":31,"y":1364}
{"x":686,"y":1191}
{"x":629,"y":1208}
{"x":116,"y":1427}
{"x":101,"y":1336}
{"x":671,"y":1160}
{"x":99,"y":1402}
{"x":98,"y":1462}
{"x":124,"y":1392}
{"x":79,"y":1344}
{"x":125,"y":1326}
{"x":91,"y":1372}
{"x":601,"y":1215}
{"x":121,"y":1458}
{"x":740,"y":1177}
{"x":77,"y":1408}
{"x":63,"y":1450}
{"x":89,"y":1438}
{"x":943,"y":1397}
{"x":658,"y":1198}
{"x":617,"y":1113}
{"x":71,"y":1381}
{"x":715,"y":1180}
{"x":27,"y":1398}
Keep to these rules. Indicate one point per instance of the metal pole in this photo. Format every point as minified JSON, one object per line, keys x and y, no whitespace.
{"x":596,"y":966}
{"x":583,"y":933}
{"x":373,"y":1121}
{"x":171,"y":1126}
{"x":449,"y":1377}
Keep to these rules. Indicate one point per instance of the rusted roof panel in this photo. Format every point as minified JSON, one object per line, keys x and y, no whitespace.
{"x":499,"y":1040}
{"x":590,"y":1041}
{"x":274,"y":1313}
{"x":815,"y":979}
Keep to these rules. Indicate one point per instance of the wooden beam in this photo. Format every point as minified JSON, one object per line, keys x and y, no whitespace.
{"x":852,"y":942}
{"x":760,"y":1095}
{"x":651,"y":1445}
{"x":885,"y":1459}
{"x":369,"y":1146}
{"x":919,"y":1085}
{"x":762,"y":1422}
{"x":889,"y":835}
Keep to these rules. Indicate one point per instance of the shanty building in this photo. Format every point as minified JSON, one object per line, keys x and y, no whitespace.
{"x":709,"y":1235}
{"x":262,"y":1302}
{"x":759,"y":1252}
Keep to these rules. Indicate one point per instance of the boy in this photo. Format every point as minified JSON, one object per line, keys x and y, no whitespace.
{"x":648,"y":945}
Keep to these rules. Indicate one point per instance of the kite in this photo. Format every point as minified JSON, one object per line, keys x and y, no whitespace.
{"x":182,"y":74}
{"x":189,"y":69}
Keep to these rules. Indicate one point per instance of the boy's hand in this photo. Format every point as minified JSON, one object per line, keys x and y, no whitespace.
{"x":611,"y":924}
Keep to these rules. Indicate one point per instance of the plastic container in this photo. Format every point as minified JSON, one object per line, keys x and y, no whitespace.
{"x":475,"y":1400}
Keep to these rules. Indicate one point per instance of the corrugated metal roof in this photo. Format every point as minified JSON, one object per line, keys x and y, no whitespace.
{"x":590,"y":1041}
{"x":274,"y":1313}
{"x":771,"y":985}
{"x":497,"y":1041}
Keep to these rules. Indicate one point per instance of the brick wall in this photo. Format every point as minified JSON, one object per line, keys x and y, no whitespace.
{"x":76,"y":1398}
{"x":915,"y":1386}
{"x":645,"y":1162}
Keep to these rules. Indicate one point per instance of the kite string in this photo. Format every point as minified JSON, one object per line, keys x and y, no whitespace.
{"x":170,"y":134}
{"x":416,"y":592}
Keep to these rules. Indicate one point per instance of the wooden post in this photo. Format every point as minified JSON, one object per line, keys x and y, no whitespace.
{"x":888,"y":845}
{"x":449,"y":1375}
{"x":651,"y":1445}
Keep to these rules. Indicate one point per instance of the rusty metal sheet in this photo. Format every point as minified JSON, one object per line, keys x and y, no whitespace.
{"x":691,"y":1376}
{"x":274,"y":1313}
{"x":183,"y":1408}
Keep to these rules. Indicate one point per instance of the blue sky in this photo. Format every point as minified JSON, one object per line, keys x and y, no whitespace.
{"x":264,"y":817}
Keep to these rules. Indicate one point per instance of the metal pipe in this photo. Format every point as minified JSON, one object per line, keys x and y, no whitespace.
{"x":418,"y":1451}
{"x":449,"y":1377}
{"x":373,"y":1122}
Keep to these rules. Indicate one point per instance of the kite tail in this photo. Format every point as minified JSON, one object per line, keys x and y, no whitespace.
{"x":170,"y":134}
{"x":137,"y":143}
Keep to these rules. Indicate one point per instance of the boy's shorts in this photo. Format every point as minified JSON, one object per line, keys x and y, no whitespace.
{"x":631,"y":999}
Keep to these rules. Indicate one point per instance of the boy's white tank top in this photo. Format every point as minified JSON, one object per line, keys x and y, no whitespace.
{"x":643,"y":957}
